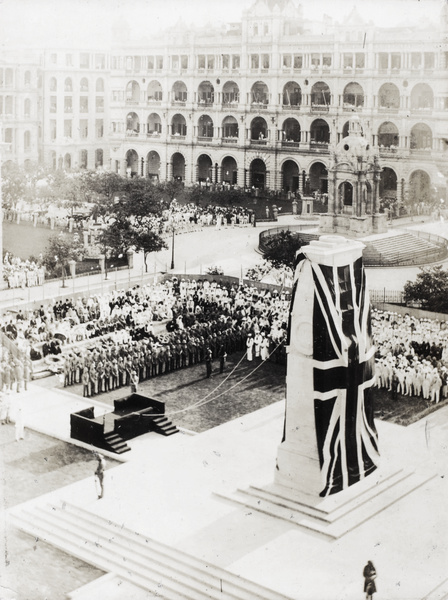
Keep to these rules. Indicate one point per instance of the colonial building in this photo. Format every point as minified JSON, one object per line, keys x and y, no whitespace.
{"x":21,"y":106}
{"x":257,"y":103}
{"x":75,"y":93}
{"x":261,"y":103}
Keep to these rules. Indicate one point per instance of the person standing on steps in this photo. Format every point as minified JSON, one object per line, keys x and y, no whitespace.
{"x":369,"y":574}
{"x":99,"y":474}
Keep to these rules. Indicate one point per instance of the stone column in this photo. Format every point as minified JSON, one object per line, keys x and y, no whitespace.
{"x":301,"y":176}
{"x":299,"y":466}
{"x":72,"y":265}
{"x":240,"y":176}
{"x":399,"y":190}
{"x":169,"y":171}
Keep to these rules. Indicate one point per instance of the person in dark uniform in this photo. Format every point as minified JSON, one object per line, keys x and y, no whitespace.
{"x":208,"y":361}
{"x":369,"y":574}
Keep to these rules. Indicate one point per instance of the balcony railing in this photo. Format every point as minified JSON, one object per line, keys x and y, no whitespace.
{"x":229,"y":140}
{"x":258,"y":142}
{"x":178,"y":102}
{"x":258,"y":106}
{"x":131,"y":102}
{"x":291,"y":106}
{"x":153,"y":134}
{"x":205,"y":103}
{"x":177,"y":136}
{"x":290,"y":144}
{"x":317,"y":108}
{"x":153,"y":102}
{"x":131,"y":133}
{"x":319,"y":145}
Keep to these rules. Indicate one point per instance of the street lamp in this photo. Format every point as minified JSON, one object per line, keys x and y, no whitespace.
{"x":172,"y":251}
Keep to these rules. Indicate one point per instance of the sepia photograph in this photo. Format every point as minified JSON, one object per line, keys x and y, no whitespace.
{"x":224,"y":299}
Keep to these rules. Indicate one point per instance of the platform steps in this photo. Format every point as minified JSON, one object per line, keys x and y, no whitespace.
{"x":333,"y":516}
{"x":163,"y":426}
{"x":401,"y":248}
{"x":115,"y":443}
{"x":166,"y":572}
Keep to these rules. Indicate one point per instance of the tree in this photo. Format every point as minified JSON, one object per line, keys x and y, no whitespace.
{"x":430,"y":289}
{"x":14,"y":185}
{"x":281,"y":249}
{"x":59,"y":251}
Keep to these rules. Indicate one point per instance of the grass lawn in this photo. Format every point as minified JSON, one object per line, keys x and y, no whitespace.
{"x":25,"y":240}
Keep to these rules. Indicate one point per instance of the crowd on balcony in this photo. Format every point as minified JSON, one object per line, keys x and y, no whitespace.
{"x":412,"y":355}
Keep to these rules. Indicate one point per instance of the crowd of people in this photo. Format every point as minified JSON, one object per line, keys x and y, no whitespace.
{"x":190,"y":217}
{"x":100,"y":340}
{"x":412,"y":355}
{"x":22,"y":273}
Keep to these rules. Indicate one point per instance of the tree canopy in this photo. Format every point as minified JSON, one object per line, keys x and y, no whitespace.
{"x":59,"y":251}
{"x":281,"y":249}
{"x":430,"y":289}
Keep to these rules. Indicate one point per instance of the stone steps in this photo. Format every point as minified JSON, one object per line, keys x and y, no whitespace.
{"x":401,"y":248}
{"x":167,"y":572}
{"x":336,"y":515}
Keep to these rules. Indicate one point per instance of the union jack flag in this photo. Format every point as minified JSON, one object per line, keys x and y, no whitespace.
{"x":343,"y":372}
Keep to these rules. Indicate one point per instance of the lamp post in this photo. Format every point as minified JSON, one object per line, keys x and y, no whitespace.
{"x":172,"y":251}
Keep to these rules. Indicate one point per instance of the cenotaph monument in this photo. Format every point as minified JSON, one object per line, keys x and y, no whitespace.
{"x":328,"y":476}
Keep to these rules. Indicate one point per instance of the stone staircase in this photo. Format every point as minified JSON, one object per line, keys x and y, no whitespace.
{"x":401,"y":249}
{"x":162,"y":570}
{"x":333,"y":516}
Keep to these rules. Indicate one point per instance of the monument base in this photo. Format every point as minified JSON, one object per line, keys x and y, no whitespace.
{"x":335,"y":515}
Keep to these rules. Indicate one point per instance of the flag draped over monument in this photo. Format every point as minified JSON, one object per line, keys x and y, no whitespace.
{"x":343,"y":373}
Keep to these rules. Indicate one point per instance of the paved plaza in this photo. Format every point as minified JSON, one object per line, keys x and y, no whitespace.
{"x":172,"y":489}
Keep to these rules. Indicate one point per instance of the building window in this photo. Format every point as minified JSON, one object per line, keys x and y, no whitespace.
{"x":201,"y":61}
{"x":8,"y":76}
{"x":8,"y":105}
{"x":266,"y":60}
{"x":27,"y":107}
{"x":8,"y":135}
{"x":83,"y":128}
{"x":53,"y":84}
{"x":266,"y":29}
{"x":159,"y":62}
{"x":184,"y":61}
{"x":383,"y":61}
{"x":100,"y":61}
{"x":395,"y":61}
{"x":287,"y":61}
{"x":298,"y":61}
{"x":210,"y":61}
{"x":348,"y":61}
{"x":69,"y":60}
{"x":327,"y":60}
{"x":84,"y":104}
{"x":225,"y":61}
{"x":416,"y":60}
{"x":150,"y":63}
{"x":68,"y":87}
{"x":360,"y":58}
{"x":53,"y":129}
{"x":84,"y":86}
{"x":27,"y":78}
{"x":27,"y":140}
{"x":53,"y":104}
{"x":68,"y":128}
{"x":429,"y":60}
{"x":254,"y":61}
{"x":255,"y":28}
{"x":174,"y":62}
{"x":84,"y":60}
{"x":99,"y":128}
{"x":236,"y":61}
{"x":99,"y":104}
{"x":315,"y":60}
{"x":68,"y":104}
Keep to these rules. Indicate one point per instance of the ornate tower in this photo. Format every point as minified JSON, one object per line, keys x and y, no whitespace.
{"x":353,"y":187}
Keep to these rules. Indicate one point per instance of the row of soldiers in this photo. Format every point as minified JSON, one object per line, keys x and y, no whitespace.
{"x":15,"y":373}
{"x":109,"y":365}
